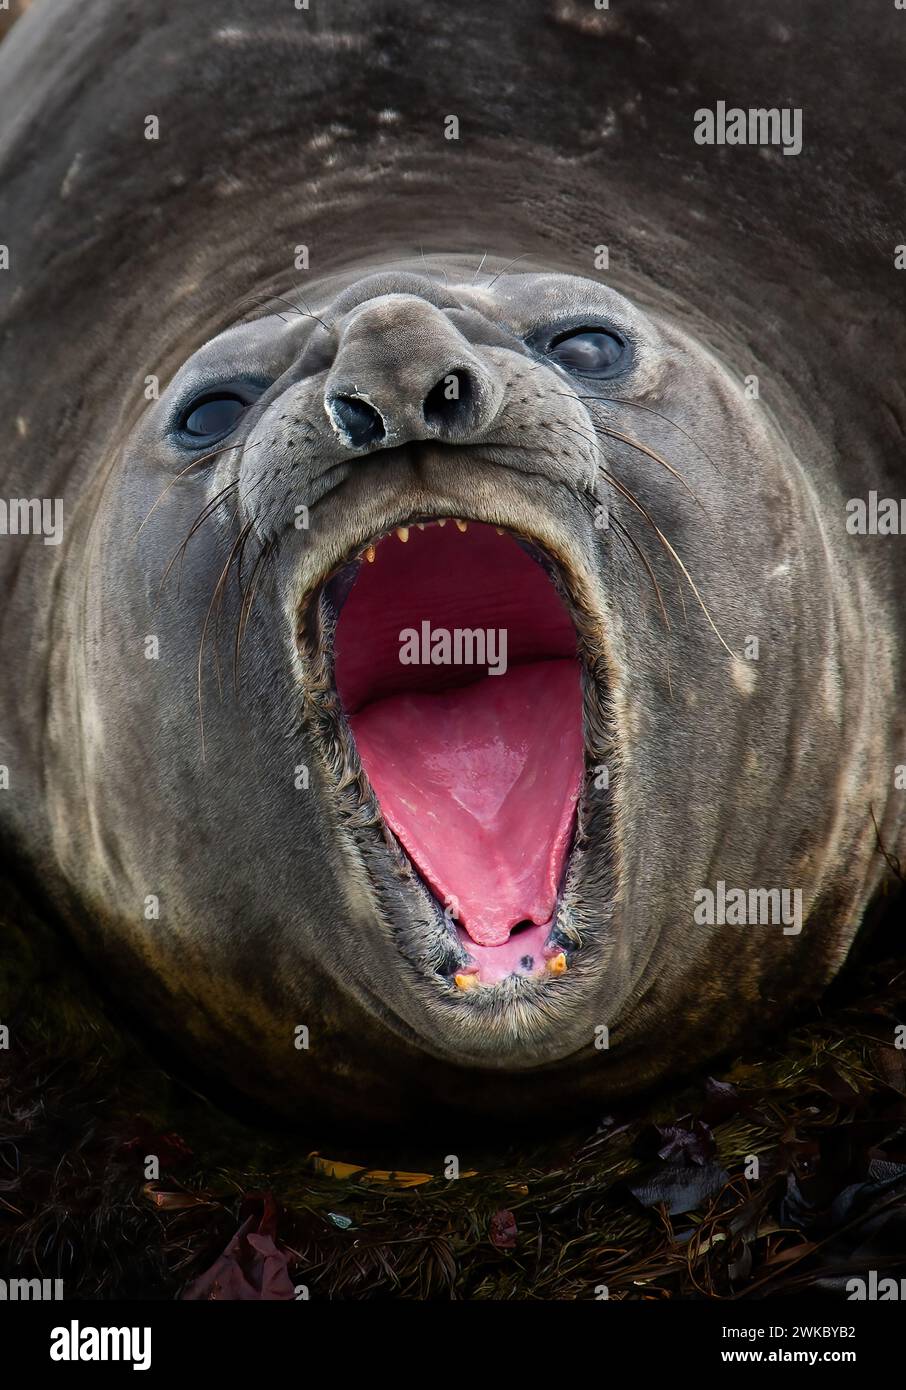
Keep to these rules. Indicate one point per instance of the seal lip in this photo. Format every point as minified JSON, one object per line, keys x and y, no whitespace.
{"x":448,"y":964}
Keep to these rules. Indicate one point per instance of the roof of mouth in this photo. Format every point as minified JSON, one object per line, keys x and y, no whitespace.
{"x":454,"y":580}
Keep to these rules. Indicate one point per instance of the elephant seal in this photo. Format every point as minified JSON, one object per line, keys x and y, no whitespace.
{"x":456,"y":686}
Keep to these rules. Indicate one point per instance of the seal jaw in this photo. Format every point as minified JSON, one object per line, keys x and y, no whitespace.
{"x":479,"y":953}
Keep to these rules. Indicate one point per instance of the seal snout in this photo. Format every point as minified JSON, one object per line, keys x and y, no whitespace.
{"x":404,"y":372}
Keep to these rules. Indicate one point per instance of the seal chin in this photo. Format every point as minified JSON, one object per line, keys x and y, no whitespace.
{"x":443,"y":663}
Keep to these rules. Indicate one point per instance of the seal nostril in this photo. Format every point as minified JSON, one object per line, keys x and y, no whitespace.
{"x":359,"y":421}
{"x":449,"y":404}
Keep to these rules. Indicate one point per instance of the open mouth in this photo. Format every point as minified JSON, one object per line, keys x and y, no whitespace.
{"x":457,"y":667}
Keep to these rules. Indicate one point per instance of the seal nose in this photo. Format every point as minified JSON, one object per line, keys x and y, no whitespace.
{"x":404,"y":372}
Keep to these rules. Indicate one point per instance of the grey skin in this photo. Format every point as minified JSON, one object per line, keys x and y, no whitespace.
{"x":175,"y":778}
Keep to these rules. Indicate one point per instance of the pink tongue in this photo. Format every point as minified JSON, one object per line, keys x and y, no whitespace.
{"x":480,"y":785}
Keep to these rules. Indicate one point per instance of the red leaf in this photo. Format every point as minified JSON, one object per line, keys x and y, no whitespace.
{"x":503,"y":1230}
{"x":253,"y":1266}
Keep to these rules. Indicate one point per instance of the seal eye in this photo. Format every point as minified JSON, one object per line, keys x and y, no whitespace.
{"x":588,"y":351}
{"x":212,"y":416}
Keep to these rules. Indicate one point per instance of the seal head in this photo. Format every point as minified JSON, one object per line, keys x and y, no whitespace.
{"x":514,"y":812}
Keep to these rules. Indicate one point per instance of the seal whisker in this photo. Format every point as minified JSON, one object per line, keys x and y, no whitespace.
{"x":672,"y":552}
{"x":252,"y":523}
{"x":214,"y":608}
{"x":311,"y":313}
{"x":656,"y":458}
{"x":203,"y":458}
{"x":268,"y":549}
{"x":624,"y":531}
{"x":665,"y":544}
{"x":255,"y":299}
{"x":241,"y":540}
{"x":892,"y":860}
{"x":260,"y":299}
{"x":625,"y":491}
{"x":637,"y":405}
{"x":657,"y":591}
{"x":624,"y":535}
{"x":203,"y":516}
{"x":242,"y":595}
{"x":503,"y":269}
{"x":633,"y":500}
{"x":630,"y":497}
{"x":199,"y":521}
{"x":307,"y":314}
{"x":642,"y":448}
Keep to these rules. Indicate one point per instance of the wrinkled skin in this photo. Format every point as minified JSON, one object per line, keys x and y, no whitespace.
{"x":281,"y":907}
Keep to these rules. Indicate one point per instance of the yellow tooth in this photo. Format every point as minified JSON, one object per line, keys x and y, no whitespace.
{"x":420,"y":525}
{"x":442,"y":521}
{"x":466,"y":982}
{"x":463,"y":525}
{"x":403,"y":533}
{"x":557,"y":964}
{"x":369,"y":554}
